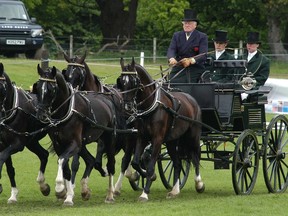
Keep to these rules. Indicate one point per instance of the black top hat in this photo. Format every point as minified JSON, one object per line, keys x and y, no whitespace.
{"x":190,"y":15}
{"x":220,"y":36}
{"x":253,"y":37}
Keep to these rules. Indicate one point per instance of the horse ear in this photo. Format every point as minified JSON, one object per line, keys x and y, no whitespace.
{"x":133,"y":63}
{"x":122,"y":63}
{"x":54,"y":71}
{"x":66,"y":57}
{"x":82,"y":59}
{"x":39,"y":69}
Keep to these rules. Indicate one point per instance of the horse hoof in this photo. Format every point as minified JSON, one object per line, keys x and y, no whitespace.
{"x":142,"y":199}
{"x":61,"y":195}
{"x":86,"y":195}
{"x":1,"y":188}
{"x":11,"y":201}
{"x":68,"y":203}
{"x":154,"y":177}
{"x":45,"y":190}
{"x":109,"y":200}
{"x":171,"y":195}
{"x":201,"y":190}
{"x":134,"y":177}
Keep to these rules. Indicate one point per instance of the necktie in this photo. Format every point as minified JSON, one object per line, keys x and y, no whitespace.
{"x":188,"y":35}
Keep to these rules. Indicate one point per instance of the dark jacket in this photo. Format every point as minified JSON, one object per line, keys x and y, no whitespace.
{"x":259,"y":66}
{"x":181,"y":48}
{"x":222,"y":75}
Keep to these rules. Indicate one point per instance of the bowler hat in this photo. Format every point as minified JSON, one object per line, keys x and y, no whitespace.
{"x":253,"y":38}
{"x":220,"y":36}
{"x":190,"y":15}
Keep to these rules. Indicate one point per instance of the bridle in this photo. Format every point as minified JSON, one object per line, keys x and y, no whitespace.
{"x":82,"y":72}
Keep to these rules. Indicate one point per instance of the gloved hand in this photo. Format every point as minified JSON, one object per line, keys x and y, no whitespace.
{"x":172,"y":61}
{"x":187,"y":62}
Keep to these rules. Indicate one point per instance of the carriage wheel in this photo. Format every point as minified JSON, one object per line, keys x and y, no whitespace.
{"x":275,"y":162}
{"x":245,"y":163}
{"x":166,"y":170}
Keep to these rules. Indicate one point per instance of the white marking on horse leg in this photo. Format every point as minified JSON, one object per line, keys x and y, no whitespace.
{"x":128,"y":172}
{"x":199,"y":184}
{"x":13,"y":197}
{"x":175,"y":190}
{"x":143,"y":197}
{"x":110,"y":193}
{"x":85,"y":190}
{"x":59,"y":179}
{"x":44,"y":187}
{"x":118,"y":184}
{"x":69,"y":194}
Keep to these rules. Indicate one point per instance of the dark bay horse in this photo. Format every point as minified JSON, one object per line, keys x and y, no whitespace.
{"x":19,"y":128}
{"x":81,"y":77}
{"x":161,"y":117}
{"x":79,"y":118}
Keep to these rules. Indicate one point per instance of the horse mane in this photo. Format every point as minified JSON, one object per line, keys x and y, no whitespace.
{"x":61,"y":80}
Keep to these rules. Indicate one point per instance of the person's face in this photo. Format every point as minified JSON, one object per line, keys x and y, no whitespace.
{"x":189,"y":26}
{"x":251,"y":47}
{"x":219,"y":46}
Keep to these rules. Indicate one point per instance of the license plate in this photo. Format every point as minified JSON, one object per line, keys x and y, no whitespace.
{"x":15,"y":42}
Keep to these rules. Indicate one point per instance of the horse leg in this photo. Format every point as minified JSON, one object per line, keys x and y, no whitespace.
{"x":60,"y":186}
{"x":43,"y":155}
{"x":150,"y":169}
{"x":74,"y":167}
{"x":172,"y":151}
{"x":110,"y":149}
{"x":125,"y":168}
{"x":199,"y":184}
{"x":89,"y":162}
{"x":98,"y":159}
{"x":68,"y":185}
{"x":11,"y":173}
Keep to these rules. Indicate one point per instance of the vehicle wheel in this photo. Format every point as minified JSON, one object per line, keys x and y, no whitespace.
{"x":245,"y":163}
{"x":275,"y":162}
{"x":166,"y":170}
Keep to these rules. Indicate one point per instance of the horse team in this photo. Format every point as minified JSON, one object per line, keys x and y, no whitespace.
{"x":75,"y":109}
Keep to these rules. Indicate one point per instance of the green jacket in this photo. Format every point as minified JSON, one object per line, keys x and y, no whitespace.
{"x":222,"y":75}
{"x":259,"y":66}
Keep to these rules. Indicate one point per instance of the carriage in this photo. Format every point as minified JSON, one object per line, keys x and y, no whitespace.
{"x":234,"y":131}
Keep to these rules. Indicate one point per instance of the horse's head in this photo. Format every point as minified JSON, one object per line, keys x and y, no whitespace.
{"x":46,"y":91}
{"x":129,"y":83}
{"x":3,"y":88}
{"x":75,"y":72}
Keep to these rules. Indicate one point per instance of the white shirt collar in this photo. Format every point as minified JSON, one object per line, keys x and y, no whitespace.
{"x":250,"y":55}
{"x":218,"y":54}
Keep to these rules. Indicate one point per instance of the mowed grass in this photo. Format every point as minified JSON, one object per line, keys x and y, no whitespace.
{"x":218,"y":199}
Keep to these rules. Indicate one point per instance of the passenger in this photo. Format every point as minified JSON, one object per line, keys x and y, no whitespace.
{"x":187,"y":51}
{"x":222,"y":75}
{"x":258,"y":64}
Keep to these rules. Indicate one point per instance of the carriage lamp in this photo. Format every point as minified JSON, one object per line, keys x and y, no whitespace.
{"x":248,"y":82}
{"x":36,"y":32}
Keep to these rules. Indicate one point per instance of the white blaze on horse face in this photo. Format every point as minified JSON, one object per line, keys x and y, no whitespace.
{"x":44,"y":87}
{"x":126,"y":80}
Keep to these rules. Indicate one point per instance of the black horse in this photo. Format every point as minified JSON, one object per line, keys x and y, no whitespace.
{"x":79,"y":118}
{"x":19,"y":128}
{"x":81,"y":77}
{"x":161,"y":117}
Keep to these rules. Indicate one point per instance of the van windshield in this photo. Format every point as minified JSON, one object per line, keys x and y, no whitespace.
{"x":12,"y":12}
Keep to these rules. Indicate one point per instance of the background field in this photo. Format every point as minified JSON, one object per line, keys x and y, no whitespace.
{"x":218,"y":198}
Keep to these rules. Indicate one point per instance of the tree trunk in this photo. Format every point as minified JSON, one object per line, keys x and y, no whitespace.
{"x":274,"y":39}
{"x":117,"y":24}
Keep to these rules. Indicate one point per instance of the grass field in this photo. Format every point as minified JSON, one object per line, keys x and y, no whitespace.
{"x":218,"y":199}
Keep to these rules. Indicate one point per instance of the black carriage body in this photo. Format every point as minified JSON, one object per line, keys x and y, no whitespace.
{"x":223,"y":109}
